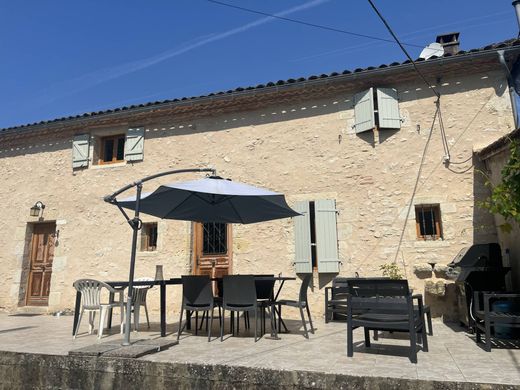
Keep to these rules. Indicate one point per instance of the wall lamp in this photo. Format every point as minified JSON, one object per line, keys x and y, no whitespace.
{"x":37,"y":208}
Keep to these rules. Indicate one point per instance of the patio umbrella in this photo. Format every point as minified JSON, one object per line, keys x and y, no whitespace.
{"x":212,"y":199}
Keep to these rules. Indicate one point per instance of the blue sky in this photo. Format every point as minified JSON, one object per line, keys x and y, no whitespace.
{"x":62,"y":57}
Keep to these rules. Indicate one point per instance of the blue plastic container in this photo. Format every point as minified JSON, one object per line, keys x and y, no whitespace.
{"x":504,"y":331}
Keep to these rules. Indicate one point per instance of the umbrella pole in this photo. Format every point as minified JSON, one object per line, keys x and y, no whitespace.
{"x":135,"y":223}
{"x":136,"y":226}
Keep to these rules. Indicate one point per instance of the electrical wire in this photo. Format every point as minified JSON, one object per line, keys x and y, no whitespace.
{"x":320,"y":26}
{"x":461,"y":162}
{"x":403,"y":49}
{"x":421,"y":164}
{"x":465,"y":170}
{"x":443,"y":135}
{"x":468,"y":126}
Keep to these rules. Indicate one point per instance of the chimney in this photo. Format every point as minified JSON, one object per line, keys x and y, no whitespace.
{"x":450,"y":41}
{"x":516,"y":4}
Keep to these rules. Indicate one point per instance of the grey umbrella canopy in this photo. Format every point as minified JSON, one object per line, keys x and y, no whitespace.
{"x":212,"y":199}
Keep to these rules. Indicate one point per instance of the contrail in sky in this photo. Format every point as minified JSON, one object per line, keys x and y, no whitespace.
{"x":92,"y":79}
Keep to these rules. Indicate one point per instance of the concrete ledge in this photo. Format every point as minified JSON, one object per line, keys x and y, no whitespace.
{"x":23,"y":371}
{"x":115,"y":349}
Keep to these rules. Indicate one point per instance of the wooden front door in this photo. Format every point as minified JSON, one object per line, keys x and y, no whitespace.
{"x":42,"y":253}
{"x":212,"y":249}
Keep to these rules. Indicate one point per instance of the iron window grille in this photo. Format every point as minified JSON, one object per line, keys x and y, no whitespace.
{"x":149,"y":237}
{"x":428,"y":221}
{"x":214,"y":238}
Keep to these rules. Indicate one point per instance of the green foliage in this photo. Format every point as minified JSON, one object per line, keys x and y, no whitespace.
{"x":391,"y":270}
{"x":505,"y":197}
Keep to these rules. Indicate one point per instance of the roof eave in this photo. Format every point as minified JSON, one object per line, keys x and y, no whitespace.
{"x":86,"y":119}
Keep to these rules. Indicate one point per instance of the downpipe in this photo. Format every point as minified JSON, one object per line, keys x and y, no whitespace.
{"x":510,"y":83}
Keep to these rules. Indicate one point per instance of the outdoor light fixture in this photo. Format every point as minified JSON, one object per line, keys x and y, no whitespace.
{"x":35,"y":210}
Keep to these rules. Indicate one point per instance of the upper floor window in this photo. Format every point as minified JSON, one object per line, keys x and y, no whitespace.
{"x":102,"y":148}
{"x":112,"y":149}
{"x":376,"y":108}
{"x":428,"y":221}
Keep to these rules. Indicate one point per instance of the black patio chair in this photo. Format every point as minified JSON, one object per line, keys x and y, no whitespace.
{"x":301,"y":303}
{"x":384,"y":304}
{"x":239,"y":295}
{"x":264,"y":296}
{"x":495,"y":310}
{"x":336,"y":299}
{"x":197,"y":295}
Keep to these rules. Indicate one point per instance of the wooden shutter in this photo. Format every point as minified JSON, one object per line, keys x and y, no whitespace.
{"x":388,"y":108}
{"x":364,"y":111}
{"x":144,"y":237}
{"x":302,"y":239}
{"x":134,"y":145}
{"x":326,"y":236}
{"x":80,"y":150}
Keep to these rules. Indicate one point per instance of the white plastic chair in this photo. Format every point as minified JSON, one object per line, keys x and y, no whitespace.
{"x":90,"y":290}
{"x":139,"y":299}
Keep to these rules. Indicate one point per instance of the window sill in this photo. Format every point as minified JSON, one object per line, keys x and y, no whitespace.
{"x":111,"y":165}
{"x":431,"y":243}
{"x":147,"y":253}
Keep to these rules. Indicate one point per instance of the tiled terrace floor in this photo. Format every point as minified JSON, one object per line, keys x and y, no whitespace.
{"x":453,"y":355}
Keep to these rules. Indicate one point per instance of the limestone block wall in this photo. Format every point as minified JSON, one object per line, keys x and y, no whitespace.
{"x":306,"y":150}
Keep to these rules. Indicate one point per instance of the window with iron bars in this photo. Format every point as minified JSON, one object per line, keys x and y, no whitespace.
{"x":149,"y":237}
{"x":428,"y":221}
{"x":214,"y":238}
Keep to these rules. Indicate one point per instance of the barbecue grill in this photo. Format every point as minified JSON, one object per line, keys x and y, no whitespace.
{"x":476,"y":268}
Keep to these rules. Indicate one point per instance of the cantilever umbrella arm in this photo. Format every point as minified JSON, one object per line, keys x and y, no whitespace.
{"x":136,"y":224}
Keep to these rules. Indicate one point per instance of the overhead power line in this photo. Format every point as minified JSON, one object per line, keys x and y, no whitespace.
{"x":403,"y":49}
{"x":320,"y":26}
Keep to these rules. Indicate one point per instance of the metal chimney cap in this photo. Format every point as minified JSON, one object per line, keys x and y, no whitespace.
{"x":449,"y":38}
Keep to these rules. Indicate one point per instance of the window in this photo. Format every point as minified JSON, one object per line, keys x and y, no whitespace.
{"x":316,"y":237}
{"x":428,"y":221}
{"x":376,"y":107}
{"x":108,"y":147}
{"x":149,"y":237}
{"x":112,"y":149}
{"x":214,"y":238}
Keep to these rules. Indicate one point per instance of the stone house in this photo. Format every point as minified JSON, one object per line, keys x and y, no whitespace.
{"x":358,"y":151}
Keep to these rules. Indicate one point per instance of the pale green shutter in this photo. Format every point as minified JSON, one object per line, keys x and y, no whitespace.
{"x":388,"y":108}
{"x":80,"y":150}
{"x":326,"y":236}
{"x":134,"y":145}
{"x":302,"y":239}
{"x":364,"y":111}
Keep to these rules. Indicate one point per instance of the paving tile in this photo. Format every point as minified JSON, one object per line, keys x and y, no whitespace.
{"x":453,"y":355}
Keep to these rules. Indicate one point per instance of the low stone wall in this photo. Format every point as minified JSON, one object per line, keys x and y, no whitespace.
{"x":37,"y":371}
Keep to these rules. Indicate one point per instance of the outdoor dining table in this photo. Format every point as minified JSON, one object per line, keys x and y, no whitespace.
{"x":121,"y":285}
{"x":280,"y":279}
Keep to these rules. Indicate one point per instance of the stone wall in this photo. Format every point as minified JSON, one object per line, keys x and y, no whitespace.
{"x":306,"y":150}
{"x":39,"y":371}
{"x":508,"y":240}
